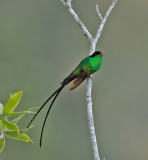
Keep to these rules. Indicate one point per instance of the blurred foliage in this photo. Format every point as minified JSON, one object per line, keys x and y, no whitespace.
{"x":9,"y":128}
{"x":40,"y":44}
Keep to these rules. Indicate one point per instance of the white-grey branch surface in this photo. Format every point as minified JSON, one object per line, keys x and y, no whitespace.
{"x":1,"y":111}
{"x":93,"y":42}
{"x":98,"y":12}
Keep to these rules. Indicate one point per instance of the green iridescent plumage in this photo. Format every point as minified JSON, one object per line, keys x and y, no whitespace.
{"x":87,"y":66}
{"x":90,"y":64}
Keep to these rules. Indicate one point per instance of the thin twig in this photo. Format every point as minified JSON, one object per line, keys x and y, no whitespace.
{"x":63,"y":2}
{"x":98,"y":12}
{"x":104,"y":20}
{"x":77,"y":19}
{"x":69,"y":2}
{"x":93,"y":42}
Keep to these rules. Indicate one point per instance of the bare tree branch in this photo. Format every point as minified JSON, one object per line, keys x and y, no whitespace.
{"x":77,"y":19}
{"x":63,"y":2}
{"x":98,"y":12}
{"x":104,"y":20}
{"x":93,"y":42}
{"x":69,"y":2}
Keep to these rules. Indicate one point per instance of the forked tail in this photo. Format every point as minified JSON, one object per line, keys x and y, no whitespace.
{"x":55,"y":93}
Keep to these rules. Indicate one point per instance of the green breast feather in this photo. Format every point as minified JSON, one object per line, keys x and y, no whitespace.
{"x":90,"y":65}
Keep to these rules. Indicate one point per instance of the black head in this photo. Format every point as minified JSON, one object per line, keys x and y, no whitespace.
{"x":96,"y":53}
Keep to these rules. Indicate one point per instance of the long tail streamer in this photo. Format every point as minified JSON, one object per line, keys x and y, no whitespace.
{"x":57,"y":93}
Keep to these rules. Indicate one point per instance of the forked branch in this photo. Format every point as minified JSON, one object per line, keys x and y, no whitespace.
{"x":93,"y":43}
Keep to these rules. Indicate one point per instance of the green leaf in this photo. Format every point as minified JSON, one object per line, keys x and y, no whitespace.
{"x":14,"y":135}
{"x":19,"y":113}
{"x":2,"y":126}
{"x":10,"y":126}
{"x":2,"y":143}
{"x":23,"y":112}
{"x":21,"y":131}
{"x":12,"y":103}
{"x":14,"y":121}
{"x":25,"y":130}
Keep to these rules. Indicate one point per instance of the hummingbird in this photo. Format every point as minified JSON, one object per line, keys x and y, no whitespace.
{"x":86,"y":67}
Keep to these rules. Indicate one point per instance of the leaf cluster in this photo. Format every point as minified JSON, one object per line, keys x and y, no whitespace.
{"x":9,"y":128}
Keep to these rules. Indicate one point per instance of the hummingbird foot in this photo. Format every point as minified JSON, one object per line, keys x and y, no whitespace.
{"x":90,"y":77}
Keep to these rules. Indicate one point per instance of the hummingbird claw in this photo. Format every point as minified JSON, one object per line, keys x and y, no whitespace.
{"x":90,"y":77}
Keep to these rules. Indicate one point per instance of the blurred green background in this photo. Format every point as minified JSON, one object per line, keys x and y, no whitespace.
{"x":40,"y":44}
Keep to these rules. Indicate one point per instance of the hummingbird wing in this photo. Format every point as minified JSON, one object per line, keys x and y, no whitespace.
{"x":77,"y":80}
{"x":78,"y":75}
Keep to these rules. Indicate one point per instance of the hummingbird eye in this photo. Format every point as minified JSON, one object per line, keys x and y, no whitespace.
{"x":95,"y":53}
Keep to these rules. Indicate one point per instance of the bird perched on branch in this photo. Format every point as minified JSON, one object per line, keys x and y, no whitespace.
{"x":87,"y":66}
